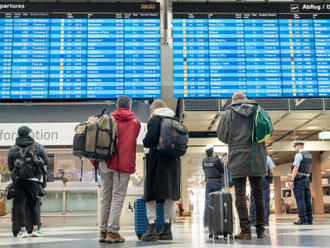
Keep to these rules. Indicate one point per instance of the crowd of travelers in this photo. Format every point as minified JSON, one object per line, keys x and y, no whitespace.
{"x":28,"y":160}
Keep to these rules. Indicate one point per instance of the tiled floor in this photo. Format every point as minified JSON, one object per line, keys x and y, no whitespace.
{"x":281,"y":233}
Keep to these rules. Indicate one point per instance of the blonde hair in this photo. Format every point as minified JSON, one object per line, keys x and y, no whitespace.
{"x":156,"y":105}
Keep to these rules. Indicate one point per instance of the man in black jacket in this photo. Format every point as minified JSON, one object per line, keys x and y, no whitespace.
{"x":235,"y":129}
{"x":27,"y":183}
{"x":213,"y":170}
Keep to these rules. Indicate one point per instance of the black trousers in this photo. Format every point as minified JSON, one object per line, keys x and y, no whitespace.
{"x":257,"y":194}
{"x":26,"y":193}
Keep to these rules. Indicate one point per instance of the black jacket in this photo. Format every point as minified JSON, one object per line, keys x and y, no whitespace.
{"x":24,"y":142}
{"x":163,"y":173}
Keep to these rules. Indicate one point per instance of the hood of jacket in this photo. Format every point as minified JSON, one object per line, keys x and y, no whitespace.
{"x":167,"y":112}
{"x":24,"y":141}
{"x":123,"y":114}
{"x":245,"y":109}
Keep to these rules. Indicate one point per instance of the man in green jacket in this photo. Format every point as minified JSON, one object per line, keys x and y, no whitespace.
{"x":235,"y":129}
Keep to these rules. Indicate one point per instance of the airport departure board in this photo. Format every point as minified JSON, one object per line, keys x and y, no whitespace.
{"x":79,"y":50}
{"x":264,"y":50}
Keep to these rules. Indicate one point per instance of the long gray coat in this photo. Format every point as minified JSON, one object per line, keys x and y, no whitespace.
{"x":235,"y":129}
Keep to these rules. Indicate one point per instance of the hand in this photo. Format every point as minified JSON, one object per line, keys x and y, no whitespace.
{"x":291,"y":185}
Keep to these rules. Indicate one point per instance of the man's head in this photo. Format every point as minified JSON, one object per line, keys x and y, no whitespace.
{"x":209,"y":150}
{"x":124,"y":102}
{"x":24,"y":131}
{"x":238,"y":97}
{"x":156,"y":105}
{"x":298,"y":145}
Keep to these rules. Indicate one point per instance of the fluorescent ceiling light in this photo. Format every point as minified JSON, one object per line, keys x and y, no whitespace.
{"x":313,"y":128}
{"x":325,"y":135}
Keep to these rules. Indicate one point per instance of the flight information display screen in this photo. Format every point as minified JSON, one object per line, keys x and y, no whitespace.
{"x":79,"y":51}
{"x":264,"y":50}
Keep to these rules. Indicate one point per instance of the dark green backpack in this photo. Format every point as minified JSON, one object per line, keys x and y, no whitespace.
{"x":262,"y":127}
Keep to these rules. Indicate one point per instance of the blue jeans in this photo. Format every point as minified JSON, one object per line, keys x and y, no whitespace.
{"x":212,"y":185}
{"x":266,"y":193}
{"x":302,"y":194}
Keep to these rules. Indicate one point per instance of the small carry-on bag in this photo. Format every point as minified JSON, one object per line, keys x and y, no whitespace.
{"x":141,"y":220}
{"x":28,"y":217}
{"x":220,"y":209}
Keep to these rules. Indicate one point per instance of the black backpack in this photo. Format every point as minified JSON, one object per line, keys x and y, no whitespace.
{"x":173,"y":138}
{"x":27,"y":164}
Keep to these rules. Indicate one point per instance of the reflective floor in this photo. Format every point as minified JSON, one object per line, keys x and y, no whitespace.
{"x":189,"y":233}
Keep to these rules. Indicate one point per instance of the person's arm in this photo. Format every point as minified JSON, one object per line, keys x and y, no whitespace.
{"x":224,"y":127}
{"x":270,"y":165}
{"x":219,"y":166}
{"x":296,"y":165}
{"x":152,"y":137}
{"x":43,"y":154}
{"x":11,"y":159}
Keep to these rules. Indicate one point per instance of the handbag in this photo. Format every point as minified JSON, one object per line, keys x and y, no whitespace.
{"x":3,"y":208}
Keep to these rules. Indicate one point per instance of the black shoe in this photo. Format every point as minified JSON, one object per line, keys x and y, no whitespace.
{"x":151,"y":234}
{"x":310,"y":222}
{"x":166,"y":232}
{"x":299,"y":222}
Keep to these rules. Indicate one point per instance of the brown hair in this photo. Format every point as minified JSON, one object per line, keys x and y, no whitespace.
{"x":156,"y":105}
{"x":238,"y":97}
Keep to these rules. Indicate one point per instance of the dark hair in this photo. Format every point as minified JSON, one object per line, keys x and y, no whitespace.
{"x":209,"y":152}
{"x":124,"y":102}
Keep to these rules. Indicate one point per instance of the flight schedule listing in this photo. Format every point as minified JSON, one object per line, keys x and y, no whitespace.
{"x":79,"y":51}
{"x":264,"y":50}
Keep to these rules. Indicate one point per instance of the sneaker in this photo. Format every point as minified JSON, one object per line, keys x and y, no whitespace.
{"x":114,"y":238}
{"x":261,"y":235}
{"x":22,"y":234}
{"x":37,"y":233}
{"x":247,"y":236}
{"x":299,"y":222}
{"x":102,"y":237}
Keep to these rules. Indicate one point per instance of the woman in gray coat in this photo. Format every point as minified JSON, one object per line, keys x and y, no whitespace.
{"x":235,"y":129}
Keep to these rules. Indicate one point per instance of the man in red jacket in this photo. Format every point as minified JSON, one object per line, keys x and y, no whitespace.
{"x":115,"y":173}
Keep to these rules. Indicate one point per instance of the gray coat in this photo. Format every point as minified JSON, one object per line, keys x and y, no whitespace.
{"x":235,"y":129}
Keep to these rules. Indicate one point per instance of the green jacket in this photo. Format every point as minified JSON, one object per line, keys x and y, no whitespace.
{"x":235,"y":129}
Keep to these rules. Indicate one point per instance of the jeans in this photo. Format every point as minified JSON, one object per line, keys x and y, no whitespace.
{"x":113,"y":192}
{"x":212,"y":185}
{"x":240,"y":192}
{"x":26,"y":194}
{"x":266,"y":192}
{"x":302,"y":194}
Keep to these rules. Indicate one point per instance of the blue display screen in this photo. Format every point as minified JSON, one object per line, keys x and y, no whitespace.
{"x":80,"y":51}
{"x":271,"y":53}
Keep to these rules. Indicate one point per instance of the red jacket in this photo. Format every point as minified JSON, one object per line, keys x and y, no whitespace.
{"x":128,"y":131}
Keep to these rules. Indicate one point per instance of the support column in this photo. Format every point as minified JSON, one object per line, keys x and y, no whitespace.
{"x":277,"y":192}
{"x":316,"y":186}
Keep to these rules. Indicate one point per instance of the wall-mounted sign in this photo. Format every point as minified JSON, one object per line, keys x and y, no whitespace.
{"x":48,"y":134}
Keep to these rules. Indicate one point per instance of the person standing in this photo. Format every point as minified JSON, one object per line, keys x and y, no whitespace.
{"x":235,"y":129}
{"x":163,"y":175}
{"x":213,"y":170}
{"x":27,"y":161}
{"x":300,"y":182}
{"x":266,"y":191}
{"x":115,"y":173}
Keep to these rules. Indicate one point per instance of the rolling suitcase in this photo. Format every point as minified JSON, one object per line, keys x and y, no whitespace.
{"x":141,"y":220}
{"x":28,"y":221}
{"x":220,"y":209}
